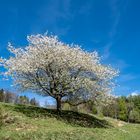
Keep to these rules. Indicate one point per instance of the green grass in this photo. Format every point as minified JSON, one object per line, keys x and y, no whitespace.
{"x":33,"y":123}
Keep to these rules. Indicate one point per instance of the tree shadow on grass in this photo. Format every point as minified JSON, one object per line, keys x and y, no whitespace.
{"x":70,"y":117}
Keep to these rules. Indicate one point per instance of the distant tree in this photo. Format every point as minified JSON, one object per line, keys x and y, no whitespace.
{"x":136,"y":100}
{"x":34,"y":102}
{"x":130,"y":108}
{"x":89,"y":107}
{"x":1,"y":95}
{"x":17,"y":100}
{"x":52,"y":68}
{"x":134,"y":116}
{"x":112,"y":109}
{"x":23,"y":100}
{"x":9,"y":97}
{"x":100,"y":110}
{"x":122,"y":108}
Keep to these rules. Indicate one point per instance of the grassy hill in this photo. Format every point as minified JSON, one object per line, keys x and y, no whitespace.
{"x":18,"y":122}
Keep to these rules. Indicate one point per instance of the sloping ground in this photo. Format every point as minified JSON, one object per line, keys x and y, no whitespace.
{"x":33,"y":123}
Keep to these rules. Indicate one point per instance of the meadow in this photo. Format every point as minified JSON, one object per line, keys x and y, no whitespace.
{"x":19,"y":122}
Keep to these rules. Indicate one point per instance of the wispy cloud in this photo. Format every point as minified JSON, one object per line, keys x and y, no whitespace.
{"x":115,"y":18}
{"x":56,"y":10}
{"x":127,"y":77}
{"x":54,"y":16}
{"x":106,"y":50}
{"x":117,"y":8}
{"x":121,"y":64}
{"x":59,"y":16}
{"x":116,"y":14}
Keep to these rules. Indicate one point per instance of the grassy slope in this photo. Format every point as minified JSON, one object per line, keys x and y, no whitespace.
{"x":32,"y":123}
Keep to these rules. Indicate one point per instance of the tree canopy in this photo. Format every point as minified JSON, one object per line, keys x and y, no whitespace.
{"x":52,"y":68}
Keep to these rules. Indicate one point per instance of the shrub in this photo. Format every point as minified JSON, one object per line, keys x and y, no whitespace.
{"x":134,"y":116}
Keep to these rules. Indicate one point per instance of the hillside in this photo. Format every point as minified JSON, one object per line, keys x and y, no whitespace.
{"x":32,"y":123}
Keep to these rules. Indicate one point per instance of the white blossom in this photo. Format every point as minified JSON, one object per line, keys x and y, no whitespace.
{"x":53,"y":68}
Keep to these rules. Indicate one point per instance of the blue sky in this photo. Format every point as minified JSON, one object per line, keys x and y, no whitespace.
{"x":112,"y":27}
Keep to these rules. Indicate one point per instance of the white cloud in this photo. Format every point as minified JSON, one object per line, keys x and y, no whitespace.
{"x":134,"y":93}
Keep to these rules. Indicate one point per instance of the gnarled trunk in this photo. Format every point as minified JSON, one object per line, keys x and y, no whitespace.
{"x":58,"y":102}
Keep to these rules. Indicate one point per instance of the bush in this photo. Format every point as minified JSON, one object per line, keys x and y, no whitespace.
{"x":122,"y":116}
{"x":134,"y":116}
{"x":94,"y":110}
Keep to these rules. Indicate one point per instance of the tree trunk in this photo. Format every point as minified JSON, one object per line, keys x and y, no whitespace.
{"x":58,"y":102}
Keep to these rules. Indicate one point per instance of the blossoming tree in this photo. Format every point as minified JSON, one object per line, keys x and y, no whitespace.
{"x":52,"y":68}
